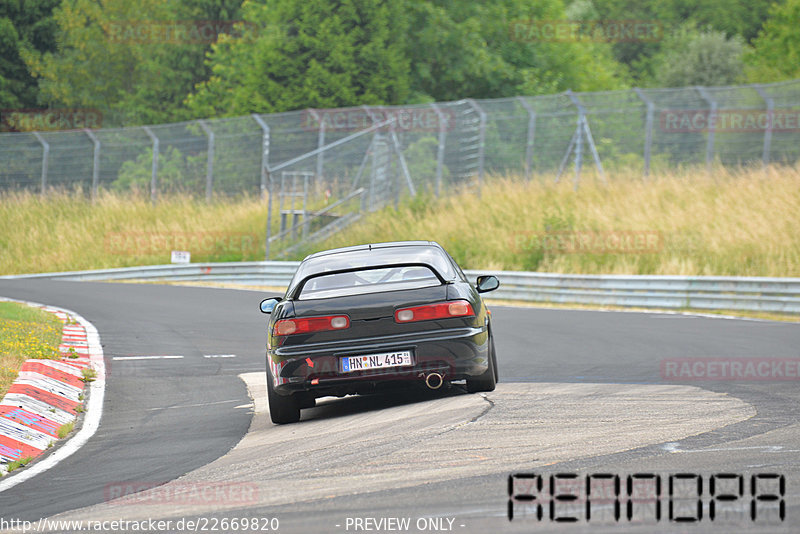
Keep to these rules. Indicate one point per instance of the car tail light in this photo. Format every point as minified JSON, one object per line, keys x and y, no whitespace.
{"x":441,"y":310}
{"x":306,"y":325}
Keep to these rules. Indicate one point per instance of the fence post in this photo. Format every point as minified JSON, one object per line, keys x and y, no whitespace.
{"x":712,"y":125}
{"x":320,"y":141}
{"x":269,"y":213}
{"x":440,"y":148}
{"x":402,"y":160}
{"x":579,"y":151}
{"x":481,"y":140}
{"x":581,"y":130}
{"x":576,"y":142}
{"x":210,"y":159}
{"x":648,"y":132}
{"x":264,"y":154}
{"x":45,"y":158}
{"x":95,"y":162}
{"x":266,"y":179}
{"x":374,"y":145}
{"x":154,"y":171}
{"x":531,"y":136}
{"x":768,"y":131}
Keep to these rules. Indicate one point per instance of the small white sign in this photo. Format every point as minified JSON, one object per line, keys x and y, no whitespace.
{"x":181,"y":256}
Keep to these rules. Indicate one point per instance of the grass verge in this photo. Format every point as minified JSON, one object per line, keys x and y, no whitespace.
{"x":25,"y":332}
{"x":64,"y":430}
{"x":16,"y":464}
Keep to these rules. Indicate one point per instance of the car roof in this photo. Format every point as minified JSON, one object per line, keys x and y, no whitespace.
{"x":375,"y":254}
{"x":377,"y":247}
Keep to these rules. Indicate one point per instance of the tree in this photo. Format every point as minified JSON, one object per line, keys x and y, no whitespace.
{"x":742,"y":18}
{"x":171,"y":71}
{"x":699,"y":57}
{"x":28,"y":25}
{"x":776,"y":50}
{"x":308,"y":54}
{"x":492,"y":49}
{"x":376,"y":52}
{"x":134,"y":60}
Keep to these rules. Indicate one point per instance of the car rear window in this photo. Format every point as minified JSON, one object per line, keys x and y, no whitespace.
{"x":435,"y":257}
{"x":368,"y":281}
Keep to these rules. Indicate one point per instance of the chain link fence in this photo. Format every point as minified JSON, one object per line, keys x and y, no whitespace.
{"x":322,"y":169}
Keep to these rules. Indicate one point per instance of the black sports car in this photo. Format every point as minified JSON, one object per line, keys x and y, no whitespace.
{"x":358,"y":318}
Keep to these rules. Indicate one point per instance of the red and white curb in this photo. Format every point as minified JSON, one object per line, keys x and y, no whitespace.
{"x":47,"y":394}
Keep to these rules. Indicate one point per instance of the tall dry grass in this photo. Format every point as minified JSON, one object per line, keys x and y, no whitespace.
{"x":744,"y":222}
{"x":65,"y":231}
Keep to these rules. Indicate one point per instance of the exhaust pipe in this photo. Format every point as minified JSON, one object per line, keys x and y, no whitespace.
{"x":434,"y":380}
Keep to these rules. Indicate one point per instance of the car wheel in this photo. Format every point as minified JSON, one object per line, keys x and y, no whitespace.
{"x":486,"y":381}
{"x":282,"y":409}
{"x":494,"y":362}
{"x":306,"y":401}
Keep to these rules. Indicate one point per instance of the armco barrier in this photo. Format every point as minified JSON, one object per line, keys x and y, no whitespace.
{"x":262,"y":273}
{"x":673,"y":292}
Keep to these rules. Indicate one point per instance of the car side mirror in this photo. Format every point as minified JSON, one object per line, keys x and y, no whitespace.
{"x":267,"y":305}
{"x":487,"y":283}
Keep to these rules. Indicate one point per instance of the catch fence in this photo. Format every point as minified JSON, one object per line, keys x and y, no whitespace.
{"x":323,"y":168}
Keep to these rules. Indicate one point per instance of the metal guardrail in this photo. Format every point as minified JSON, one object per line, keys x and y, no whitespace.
{"x":261,"y":273}
{"x":672,"y":292}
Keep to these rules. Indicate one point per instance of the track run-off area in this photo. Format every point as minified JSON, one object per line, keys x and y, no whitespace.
{"x":185,"y":422}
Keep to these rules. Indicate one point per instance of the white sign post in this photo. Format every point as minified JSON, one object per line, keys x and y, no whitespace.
{"x":181,"y":256}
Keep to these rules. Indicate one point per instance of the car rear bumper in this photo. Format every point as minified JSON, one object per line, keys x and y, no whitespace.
{"x":455,"y":353}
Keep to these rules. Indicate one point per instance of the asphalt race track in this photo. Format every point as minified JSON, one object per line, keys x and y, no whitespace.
{"x":580,"y":392}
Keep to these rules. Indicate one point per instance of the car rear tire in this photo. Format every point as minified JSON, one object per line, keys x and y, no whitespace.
{"x":283,"y":409}
{"x":306,"y":401}
{"x":494,"y":362}
{"x":488,"y":380}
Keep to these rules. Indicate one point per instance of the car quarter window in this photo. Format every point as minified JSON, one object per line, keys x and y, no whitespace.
{"x":457,"y":268}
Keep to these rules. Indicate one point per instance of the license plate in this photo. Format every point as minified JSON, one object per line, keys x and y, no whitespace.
{"x":376,"y":361}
